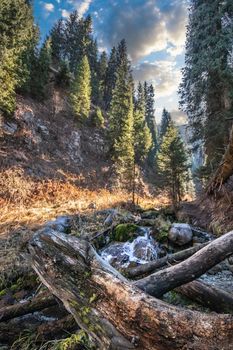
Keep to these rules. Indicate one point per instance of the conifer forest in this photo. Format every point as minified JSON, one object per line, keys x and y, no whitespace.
{"x":116,"y":175}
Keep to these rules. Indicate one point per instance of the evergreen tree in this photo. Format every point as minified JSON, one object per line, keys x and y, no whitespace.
{"x":110,"y":78}
{"x":92,"y":53}
{"x":165,"y":123}
{"x":207,"y":85}
{"x":80,"y":95}
{"x":121,"y":127}
{"x":57,"y":35}
{"x":102,"y":69}
{"x":142,"y":136}
{"x":17,"y":31}
{"x":77,"y":34}
{"x":150,"y":119}
{"x":40,"y":73}
{"x":172,"y":162}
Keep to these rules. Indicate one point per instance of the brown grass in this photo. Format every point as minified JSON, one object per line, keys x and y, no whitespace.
{"x":26,"y":202}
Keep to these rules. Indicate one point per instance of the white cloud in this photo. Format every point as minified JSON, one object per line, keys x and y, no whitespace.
{"x":147,"y":26}
{"x":82,"y":6}
{"x":164,"y":75}
{"x":64,"y":13}
{"x":48,"y":7}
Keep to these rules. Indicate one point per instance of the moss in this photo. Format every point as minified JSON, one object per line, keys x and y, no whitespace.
{"x":124,"y":232}
{"x":3,"y":292}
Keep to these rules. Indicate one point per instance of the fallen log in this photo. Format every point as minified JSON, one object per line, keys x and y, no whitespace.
{"x":36,"y":304}
{"x":113,"y":311}
{"x":11,"y":331}
{"x":188,"y":270}
{"x":211,"y":297}
{"x":157,"y":264}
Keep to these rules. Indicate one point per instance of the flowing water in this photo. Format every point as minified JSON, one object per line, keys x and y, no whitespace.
{"x":139,"y":251}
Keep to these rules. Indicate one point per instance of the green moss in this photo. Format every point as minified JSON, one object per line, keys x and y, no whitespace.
{"x":124,"y":232}
{"x":3,"y":292}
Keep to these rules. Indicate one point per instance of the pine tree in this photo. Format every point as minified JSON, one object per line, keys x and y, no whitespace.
{"x":102,"y":70}
{"x":121,"y":127}
{"x":207,"y":85}
{"x":150,"y":119}
{"x":17,"y":31}
{"x":40,"y":73}
{"x":142,"y":135}
{"x":80,"y":95}
{"x":92,"y":53}
{"x":165,"y":123}
{"x":172,"y":162}
{"x":110,"y":79}
{"x":58,"y":41}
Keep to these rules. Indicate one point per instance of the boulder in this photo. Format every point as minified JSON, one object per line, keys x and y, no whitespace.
{"x":180,"y":234}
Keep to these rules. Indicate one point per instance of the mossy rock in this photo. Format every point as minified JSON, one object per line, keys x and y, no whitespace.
{"x":125,"y":232}
{"x":150,"y":214}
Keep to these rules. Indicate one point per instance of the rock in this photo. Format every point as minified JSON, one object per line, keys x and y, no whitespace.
{"x":150,"y":214}
{"x":28,"y":116}
{"x":180,"y":234}
{"x":125,"y":232}
{"x":61,"y":224}
{"x":9,"y":128}
{"x":43,"y":130}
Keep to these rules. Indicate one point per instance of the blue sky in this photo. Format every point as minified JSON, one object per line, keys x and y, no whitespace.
{"x":154,"y":31}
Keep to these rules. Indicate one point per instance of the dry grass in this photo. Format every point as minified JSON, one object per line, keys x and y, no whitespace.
{"x":27,"y":203}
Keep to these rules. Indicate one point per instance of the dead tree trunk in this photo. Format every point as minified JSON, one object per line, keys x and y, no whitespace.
{"x":157,"y":264}
{"x":225,"y":169}
{"x":113,"y":311}
{"x":211,"y":297}
{"x":188,"y":270}
{"x":21,"y":309}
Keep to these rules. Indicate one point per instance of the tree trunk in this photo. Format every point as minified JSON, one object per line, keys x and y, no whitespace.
{"x":225,"y":169}
{"x":211,"y":297}
{"x":20,"y":309}
{"x":113,"y":311}
{"x":10,"y":331}
{"x":188,"y":270}
{"x":157,"y":264}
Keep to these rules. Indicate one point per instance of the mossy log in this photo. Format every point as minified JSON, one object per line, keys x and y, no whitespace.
{"x":113,"y":311}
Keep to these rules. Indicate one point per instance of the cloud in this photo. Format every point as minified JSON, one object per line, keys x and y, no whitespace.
{"x":178,"y":116}
{"x":148,"y":26}
{"x":164,"y":75}
{"x":64,"y":13}
{"x":48,"y":7}
{"x":82,"y":6}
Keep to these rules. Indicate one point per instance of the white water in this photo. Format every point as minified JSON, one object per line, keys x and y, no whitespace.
{"x":141,"y":250}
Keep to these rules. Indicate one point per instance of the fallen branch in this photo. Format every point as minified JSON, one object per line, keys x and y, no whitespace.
{"x":20,"y":309}
{"x":188,"y":270}
{"x":211,"y":297}
{"x":157,"y":264}
{"x":114,"y":312}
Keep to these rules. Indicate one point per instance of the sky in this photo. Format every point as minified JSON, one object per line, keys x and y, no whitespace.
{"x":154,"y":31}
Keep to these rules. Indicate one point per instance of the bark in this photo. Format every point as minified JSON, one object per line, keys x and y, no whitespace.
{"x":20,"y":309}
{"x":163,"y":281}
{"x":113,"y":311}
{"x":157,"y":264}
{"x":211,"y":297}
{"x":225,"y":169}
